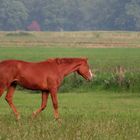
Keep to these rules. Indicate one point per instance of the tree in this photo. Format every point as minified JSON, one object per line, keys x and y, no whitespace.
{"x":56,"y":15}
{"x":34,"y":26}
{"x":13,"y":14}
{"x":133,"y":10}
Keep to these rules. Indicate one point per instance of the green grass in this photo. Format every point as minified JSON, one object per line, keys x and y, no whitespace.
{"x":84,"y":116}
{"x":100,"y":59}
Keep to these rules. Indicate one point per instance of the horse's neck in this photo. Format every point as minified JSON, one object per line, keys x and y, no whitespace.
{"x":68,"y":68}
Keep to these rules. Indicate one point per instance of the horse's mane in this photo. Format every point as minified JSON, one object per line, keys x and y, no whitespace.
{"x":67,"y":60}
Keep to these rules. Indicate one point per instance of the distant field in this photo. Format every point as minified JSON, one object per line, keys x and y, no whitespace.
{"x":99,"y":58}
{"x":71,"y":39}
{"x":86,"y":116}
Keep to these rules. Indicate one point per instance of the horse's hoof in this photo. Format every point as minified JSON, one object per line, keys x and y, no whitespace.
{"x":33,"y":115}
{"x":59,"y":121}
{"x":18,"y":117}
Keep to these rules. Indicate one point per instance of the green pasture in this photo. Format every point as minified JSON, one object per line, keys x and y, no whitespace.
{"x":99,"y":58}
{"x":84,"y":116}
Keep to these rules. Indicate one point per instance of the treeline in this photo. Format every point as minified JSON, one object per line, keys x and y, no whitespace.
{"x":69,"y":15}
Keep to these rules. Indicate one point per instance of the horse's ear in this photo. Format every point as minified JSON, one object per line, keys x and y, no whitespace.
{"x":85,"y":58}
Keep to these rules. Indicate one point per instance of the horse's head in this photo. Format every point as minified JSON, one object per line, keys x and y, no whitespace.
{"x":84,"y":70}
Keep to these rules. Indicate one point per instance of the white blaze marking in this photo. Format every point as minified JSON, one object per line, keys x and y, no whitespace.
{"x":90,"y":73}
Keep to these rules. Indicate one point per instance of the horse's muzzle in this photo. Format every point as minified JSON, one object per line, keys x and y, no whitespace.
{"x":92,"y":76}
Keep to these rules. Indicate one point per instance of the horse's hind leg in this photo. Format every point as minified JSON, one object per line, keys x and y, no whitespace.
{"x":55,"y":103}
{"x":9,"y":99}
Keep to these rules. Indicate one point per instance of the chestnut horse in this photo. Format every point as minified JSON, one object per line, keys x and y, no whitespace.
{"x":45,"y":76}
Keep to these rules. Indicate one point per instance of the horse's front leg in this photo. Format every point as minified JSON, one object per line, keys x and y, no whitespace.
{"x":43,"y":104}
{"x":55,"y":103}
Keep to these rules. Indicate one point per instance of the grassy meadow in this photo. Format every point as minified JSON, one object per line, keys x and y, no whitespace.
{"x":103,"y":109}
{"x":85,"y":116}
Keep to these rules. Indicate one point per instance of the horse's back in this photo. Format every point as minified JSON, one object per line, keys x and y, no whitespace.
{"x":10,"y":65}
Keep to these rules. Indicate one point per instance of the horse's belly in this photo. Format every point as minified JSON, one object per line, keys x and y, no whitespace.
{"x":33,"y":84}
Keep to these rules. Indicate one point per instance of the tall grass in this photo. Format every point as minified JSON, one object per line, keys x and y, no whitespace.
{"x":103,"y":81}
